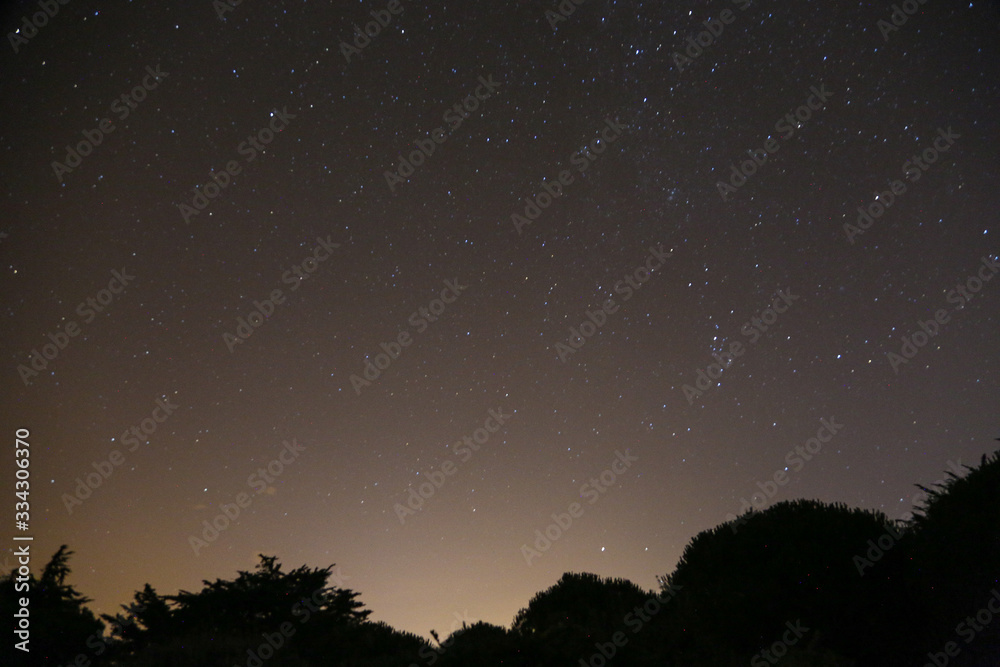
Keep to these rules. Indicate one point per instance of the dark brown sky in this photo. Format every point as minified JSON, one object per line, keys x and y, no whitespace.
{"x":490,"y":405}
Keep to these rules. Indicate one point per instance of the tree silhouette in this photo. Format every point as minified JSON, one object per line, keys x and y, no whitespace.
{"x":954,"y":545}
{"x":484,"y":645}
{"x":148,"y":621}
{"x":288,"y":619}
{"x":61,"y":625}
{"x":793,"y":562}
{"x":226,"y":619}
{"x":564,"y":622}
{"x":805,"y":583}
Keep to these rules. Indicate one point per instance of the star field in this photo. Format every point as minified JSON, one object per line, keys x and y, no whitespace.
{"x":312,"y":215}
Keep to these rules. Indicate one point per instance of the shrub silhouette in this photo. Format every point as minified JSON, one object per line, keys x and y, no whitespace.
{"x":60,"y":622}
{"x":484,"y":645}
{"x":563,"y":623}
{"x":285,"y":619}
{"x":793,"y":562}
{"x":862,"y":590}
{"x":954,"y":565}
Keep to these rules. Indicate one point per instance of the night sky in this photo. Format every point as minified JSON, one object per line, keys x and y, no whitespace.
{"x":483,"y":260}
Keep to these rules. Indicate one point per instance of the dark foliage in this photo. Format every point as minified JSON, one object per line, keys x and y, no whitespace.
{"x":61,"y":625}
{"x":802,"y":583}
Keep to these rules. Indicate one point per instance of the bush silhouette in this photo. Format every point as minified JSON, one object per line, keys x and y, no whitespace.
{"x":563,"y":623}
{"x":285,"y":619}
{"x":803,"y":583}
{"x":794,"y":562}
{"x":60,"y":622}
{"x":954,"y":565}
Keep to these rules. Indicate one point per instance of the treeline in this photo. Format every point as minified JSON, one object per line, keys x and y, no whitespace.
{"x":802,"y":583}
